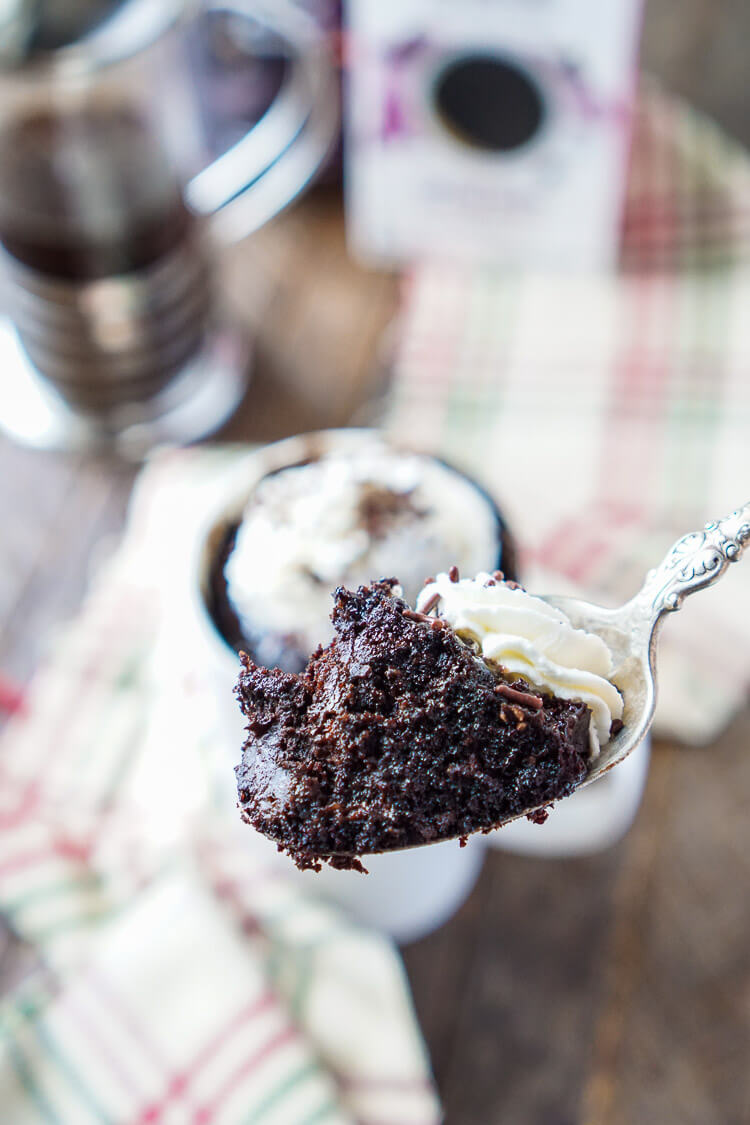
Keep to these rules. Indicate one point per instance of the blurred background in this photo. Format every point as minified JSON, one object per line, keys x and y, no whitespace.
{"x":697,"y":53}
{"x":524,"y":251}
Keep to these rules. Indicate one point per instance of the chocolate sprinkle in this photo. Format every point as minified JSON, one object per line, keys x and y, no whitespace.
{"x":526,"y":699}
{"x":431,"y":602}
{"x":453,"y":573}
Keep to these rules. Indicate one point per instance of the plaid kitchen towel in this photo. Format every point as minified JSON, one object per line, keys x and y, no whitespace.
{"x":180,"y":978}
{"x":610,"y":415}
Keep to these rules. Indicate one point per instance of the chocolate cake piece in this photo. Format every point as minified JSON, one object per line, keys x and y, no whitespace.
{"x":396,"y":735}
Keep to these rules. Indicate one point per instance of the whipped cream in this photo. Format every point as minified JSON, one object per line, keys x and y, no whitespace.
{"x":346,"y":519}
{"x":527,"y":637}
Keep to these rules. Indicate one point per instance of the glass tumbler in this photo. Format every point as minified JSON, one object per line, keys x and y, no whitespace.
{"x":107,"y":212}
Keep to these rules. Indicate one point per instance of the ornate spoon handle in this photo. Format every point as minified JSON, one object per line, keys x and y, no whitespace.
{"x":694,"y":561}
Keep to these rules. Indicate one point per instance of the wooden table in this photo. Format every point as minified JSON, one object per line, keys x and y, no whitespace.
{"x":612,"y":990}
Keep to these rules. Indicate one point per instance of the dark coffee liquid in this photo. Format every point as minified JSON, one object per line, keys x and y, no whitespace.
{"x":87,"y":195}
{"x":489,"y":103}
{"x":59,"y":25}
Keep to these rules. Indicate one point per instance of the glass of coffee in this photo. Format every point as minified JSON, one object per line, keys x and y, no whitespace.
{"x":106,"y":200}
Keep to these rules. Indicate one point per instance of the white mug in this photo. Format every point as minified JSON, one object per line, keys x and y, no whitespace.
{"x":406,"y":894}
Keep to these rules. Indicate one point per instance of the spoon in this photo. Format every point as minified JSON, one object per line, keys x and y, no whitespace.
{"x":630,"y":631}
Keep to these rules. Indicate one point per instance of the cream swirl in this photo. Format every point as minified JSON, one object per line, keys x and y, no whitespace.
{"x":532,"y":639}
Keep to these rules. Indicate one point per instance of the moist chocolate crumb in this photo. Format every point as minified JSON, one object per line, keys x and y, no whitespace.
{"x":393,"y":737}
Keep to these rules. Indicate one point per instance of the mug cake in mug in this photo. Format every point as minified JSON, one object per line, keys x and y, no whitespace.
{"x":346,"y":514}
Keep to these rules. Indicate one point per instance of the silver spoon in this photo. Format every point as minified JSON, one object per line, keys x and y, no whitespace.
{"x":694,"y":562}
{"x":630,"y":631}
